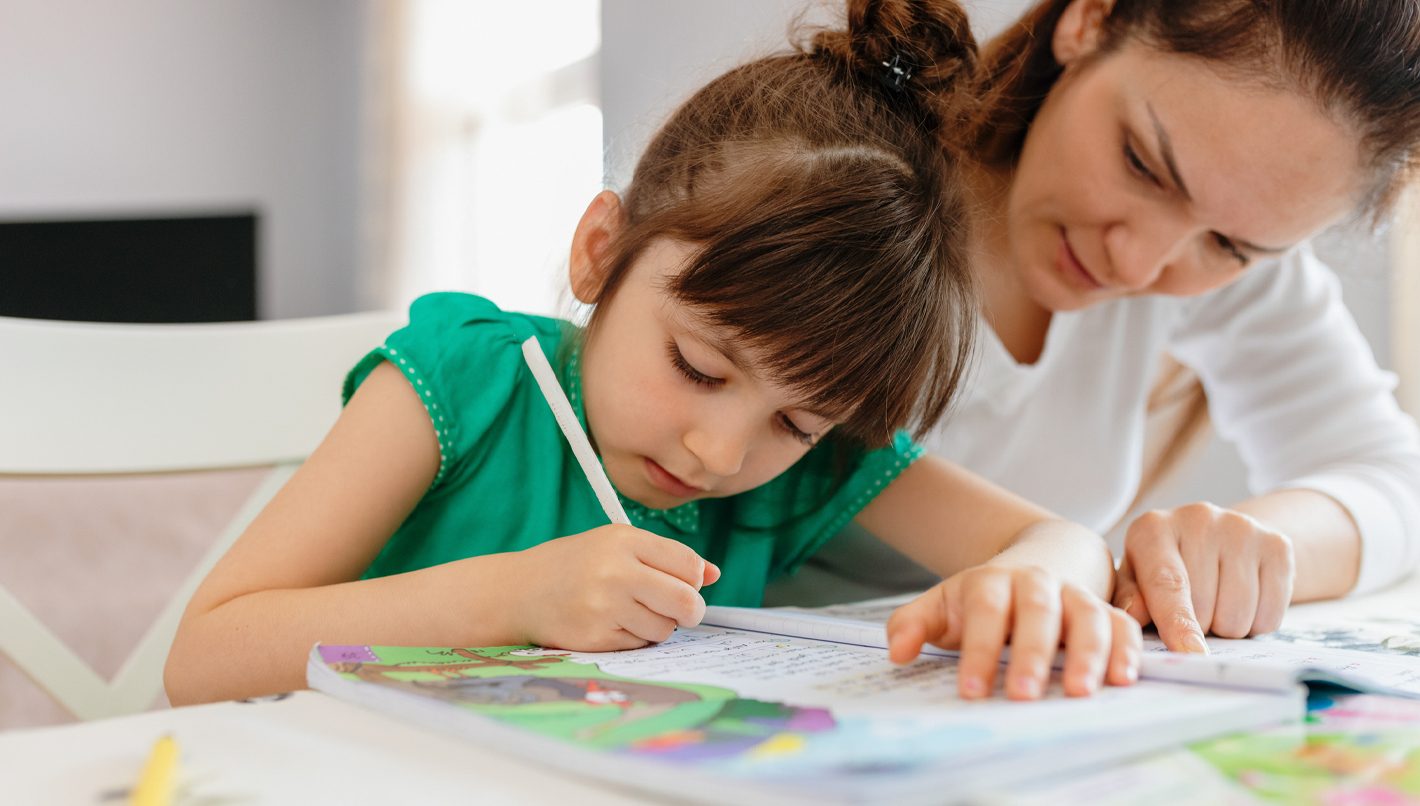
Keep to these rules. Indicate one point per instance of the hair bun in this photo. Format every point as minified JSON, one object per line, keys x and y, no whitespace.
{"x":922,"y":46}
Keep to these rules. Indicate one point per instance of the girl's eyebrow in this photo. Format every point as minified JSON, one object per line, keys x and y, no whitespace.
{"x":1165,"y":147}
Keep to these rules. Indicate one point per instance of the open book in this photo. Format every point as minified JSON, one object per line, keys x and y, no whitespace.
{"x":775,"y":706}
{"x":1274,"y":662}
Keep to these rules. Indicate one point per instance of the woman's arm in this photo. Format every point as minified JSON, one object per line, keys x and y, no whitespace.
{"x":293,"y":578}
{"x":1014,"y":574}
{"x":1292,"y":382}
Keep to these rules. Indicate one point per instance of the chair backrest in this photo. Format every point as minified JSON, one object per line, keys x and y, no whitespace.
{"x":90,"y":398}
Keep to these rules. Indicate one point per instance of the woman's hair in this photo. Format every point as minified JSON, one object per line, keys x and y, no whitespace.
{"x":1359,"y":60}
{"x":819,"y":189}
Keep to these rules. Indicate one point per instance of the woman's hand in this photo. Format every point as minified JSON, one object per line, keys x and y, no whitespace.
{"x":982,"y":609}
{"x":1201,"y":568}
{"x":613,"y":587}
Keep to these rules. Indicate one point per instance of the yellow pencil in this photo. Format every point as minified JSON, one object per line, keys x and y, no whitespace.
{"x":155,"y":786}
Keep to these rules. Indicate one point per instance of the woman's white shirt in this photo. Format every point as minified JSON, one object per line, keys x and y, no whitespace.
{"x":1290,"y":380}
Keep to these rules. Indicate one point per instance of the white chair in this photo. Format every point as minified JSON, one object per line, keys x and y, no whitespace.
{"x":88,"y":398}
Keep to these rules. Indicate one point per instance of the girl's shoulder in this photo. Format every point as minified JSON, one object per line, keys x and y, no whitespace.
{"x":462,"y":355}
{"x":455,"y":333}
{"x":451,"y":319}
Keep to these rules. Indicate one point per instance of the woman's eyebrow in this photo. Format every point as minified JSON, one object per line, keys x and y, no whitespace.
{"x":1165,"y":147}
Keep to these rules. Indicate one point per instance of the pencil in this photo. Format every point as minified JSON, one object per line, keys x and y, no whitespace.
{"x":572,"y":430}
{"x":155,"y":785}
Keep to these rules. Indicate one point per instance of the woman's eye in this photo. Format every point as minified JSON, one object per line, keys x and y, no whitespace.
{"x":691,"y":374}
{"x":1137,"y":166}
{"x":794,"y":431}
{"x":1231,"y":249}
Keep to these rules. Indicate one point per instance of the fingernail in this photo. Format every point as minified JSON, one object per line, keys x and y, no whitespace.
{"x":1025,"y":686}
{"x":1195,"y":643}
{"x":1131,"y":672}
{"x":972,"y":687}
{"x":1127,"y":603}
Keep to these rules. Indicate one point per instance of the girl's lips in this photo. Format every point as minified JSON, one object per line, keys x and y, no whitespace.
{"x":1070,"y":266}
{"x":667,"y":482}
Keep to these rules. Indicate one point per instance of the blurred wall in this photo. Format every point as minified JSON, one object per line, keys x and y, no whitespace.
{"x":654,"y":54}
{"x":169,"y":106}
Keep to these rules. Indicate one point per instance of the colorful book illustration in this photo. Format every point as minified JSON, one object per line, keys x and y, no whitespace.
{"x":1351,"y":749}
{"x":784,"y":711}
{"x":1380,"y":656}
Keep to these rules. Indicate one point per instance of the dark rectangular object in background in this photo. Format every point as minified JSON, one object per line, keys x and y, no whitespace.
{"x":179,"y":269}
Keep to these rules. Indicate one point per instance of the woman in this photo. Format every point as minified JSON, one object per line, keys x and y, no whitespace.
{"x":1150,"y":173}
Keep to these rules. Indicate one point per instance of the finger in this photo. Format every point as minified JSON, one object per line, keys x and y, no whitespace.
{"x":1088,"y":636}
{"x":1275,"y":579}
{"x":1164,"y":586}
{"x":623,"y":639}
{"x":712,"y":574}
{"x":645,"y":624}
{"x":1035,"y":634}
{"x":616,"y":640}
{"x":671,"y":557}
{"x":668,"y":597}
{"x":1126,"y":593}
{"x":1126,"y":649}
{"x":1237,"y":595}
{"x":1198,"y":550}
{"x":986,"y":618}
{"x":928,"y":618}
{"x":905,"y":640}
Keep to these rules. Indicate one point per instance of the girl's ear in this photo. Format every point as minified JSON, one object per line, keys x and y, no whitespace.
{"x":600,"y":225}
{"x":1079,"y":30}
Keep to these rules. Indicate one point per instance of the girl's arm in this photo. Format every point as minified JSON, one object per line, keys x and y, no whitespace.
{"x":1013,"y":574}
{"x":293,"y":578}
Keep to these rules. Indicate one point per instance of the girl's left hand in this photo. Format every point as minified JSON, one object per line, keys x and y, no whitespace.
{"x":982,"y":609}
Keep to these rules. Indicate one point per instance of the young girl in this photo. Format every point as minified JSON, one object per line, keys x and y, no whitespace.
{"x":782,"y":287}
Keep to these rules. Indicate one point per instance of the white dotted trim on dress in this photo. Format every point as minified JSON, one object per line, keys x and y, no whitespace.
{"x":899,"y":464}
{"x":441,"y":432}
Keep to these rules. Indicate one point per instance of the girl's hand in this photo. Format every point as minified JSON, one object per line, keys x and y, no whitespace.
{"x":1201,"y":568}
{"x":613,"y":587}
{"x":983,"y":608}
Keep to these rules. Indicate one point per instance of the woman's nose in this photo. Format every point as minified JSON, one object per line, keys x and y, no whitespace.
{"x":1140,"y":251}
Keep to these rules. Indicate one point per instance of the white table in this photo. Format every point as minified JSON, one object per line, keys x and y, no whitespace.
{"x":310,"y":748}
{"x":307,"y":749}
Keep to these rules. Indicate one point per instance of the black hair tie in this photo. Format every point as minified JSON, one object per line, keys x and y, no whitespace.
{"x":897,"y":74}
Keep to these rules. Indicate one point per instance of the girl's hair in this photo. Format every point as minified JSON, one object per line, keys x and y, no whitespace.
{"x":820,"y":191}
{"x":1358,"y":59}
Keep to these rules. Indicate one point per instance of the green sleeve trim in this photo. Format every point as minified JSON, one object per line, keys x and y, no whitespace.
{"x":442,"y":428}
{"x":889,"y":467}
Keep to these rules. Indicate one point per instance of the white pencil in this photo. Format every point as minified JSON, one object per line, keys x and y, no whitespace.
{"x":572,"y":430}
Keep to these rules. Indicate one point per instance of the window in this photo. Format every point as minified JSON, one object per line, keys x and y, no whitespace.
{"x":494,"y":149}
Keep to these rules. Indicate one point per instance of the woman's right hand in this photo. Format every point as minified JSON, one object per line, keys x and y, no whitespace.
{"x":609,"y":588}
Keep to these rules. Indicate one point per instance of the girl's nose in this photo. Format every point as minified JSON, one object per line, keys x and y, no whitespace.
{"x":721,"y":451}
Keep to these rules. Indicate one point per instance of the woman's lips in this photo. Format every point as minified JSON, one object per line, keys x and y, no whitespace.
{"x":1070,"y":266}
{"x":668,"y":482}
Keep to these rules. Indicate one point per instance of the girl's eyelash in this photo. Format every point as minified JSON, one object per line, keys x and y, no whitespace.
{"x":699,"y":378}
{"x":794,"y":431}
{"x":1137,"y":166}
{"x":1231,"y":248}
{"x":691,"y":374}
